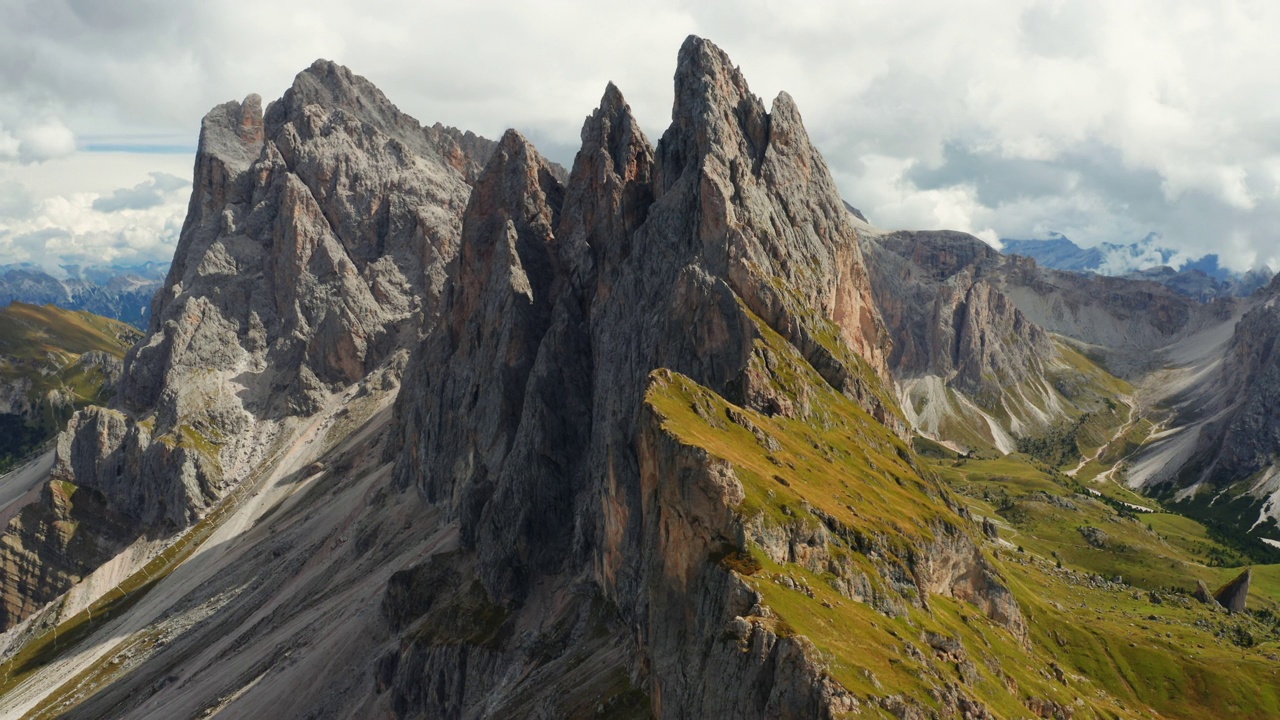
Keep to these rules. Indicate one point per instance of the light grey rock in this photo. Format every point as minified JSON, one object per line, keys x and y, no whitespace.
{"x":1247,"y":440}
{"x":947,"y":318}
{"x":524,"y":419}
{"x":314,"y":252}
{"x":1203,"y":595}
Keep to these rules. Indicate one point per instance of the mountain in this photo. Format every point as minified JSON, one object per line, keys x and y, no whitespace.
{"x":1200,"y":278}
{"x":52,"y":363}
{"x":312,"y":257}
{"x":1173,"y":393}
{"x":1218,"y":455}
{"x":990,"y":349}
{"x":1203,"y":285}
{"x":119,"y":292}
{"x":1059,"y":252}
{"x":425,"y":427}
{"x":581,"y":325}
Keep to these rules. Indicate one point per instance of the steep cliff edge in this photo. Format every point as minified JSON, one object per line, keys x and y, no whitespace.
{"x":643,"y":463}
{"x":313,"y":256}
{"x":547,"y":415}
{"x":1221,"y":458}
{"x":972,"y":368}
{"x":1250,"y":442}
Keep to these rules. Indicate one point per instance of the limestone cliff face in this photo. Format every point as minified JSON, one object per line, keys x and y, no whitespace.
{"x":49,"y":529}
{"x":964,"y":354}
{"x":314,"y":252}
{"x":1250,"y":442}
{"x":1119,"y":314}
{"x":769,"y":219}
{"x":947,"y":317}
{"x":1125,"y":316}
{"x":524,"y":415}
{"x":974,"y":354}
{"x":316,"y":236}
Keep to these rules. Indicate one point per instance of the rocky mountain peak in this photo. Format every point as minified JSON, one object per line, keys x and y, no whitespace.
{"x":233,"y":132}
{"x":526,"y":416}
{"x":515,"y":169}
{"x":610,"y":187}
{"x":714,"y":111}
{"x":508,"y":233}
{"x":769,"y":216}
{"x":336,"y":93}
{"x":313,"y":256}
{"x":613,"y":129}
{"x":334,"y":87}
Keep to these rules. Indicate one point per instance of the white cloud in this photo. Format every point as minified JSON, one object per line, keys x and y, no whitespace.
{"x":149,"y":193}
{"x":45,"y":140}
{"x":8,"y":145}
{"x":37,"y":142}
{"x":1102,"y":120}
{"x":137,"y":223}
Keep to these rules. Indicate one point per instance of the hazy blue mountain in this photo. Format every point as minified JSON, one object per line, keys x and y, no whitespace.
{"x":1203,"y":278}
{"x":1056,"y":252}
{"x":120,"y":292}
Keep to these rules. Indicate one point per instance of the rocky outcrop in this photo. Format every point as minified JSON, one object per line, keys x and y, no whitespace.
{"x":43,"y":552}
{"x":1235,"y":595}
{"x":1202,"y":593}
{"x":314,"y":252}
{"x":103,"y":451}
{"x":524,"y":412}
{"x":317,"y":236}
{"x":946,"y":317}
{"x":1248,"y":440}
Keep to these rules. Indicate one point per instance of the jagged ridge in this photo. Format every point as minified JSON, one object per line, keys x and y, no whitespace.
{"x":312,"y":256}
{"x":724,"y":256}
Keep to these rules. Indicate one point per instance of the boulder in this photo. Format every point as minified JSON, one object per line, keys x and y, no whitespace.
{"x":1235,"y":594}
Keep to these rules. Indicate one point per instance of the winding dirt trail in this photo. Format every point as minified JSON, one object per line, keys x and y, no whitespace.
{"x":1119,"y":433}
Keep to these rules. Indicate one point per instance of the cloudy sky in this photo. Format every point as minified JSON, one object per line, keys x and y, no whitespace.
{"x":1104,"y":121}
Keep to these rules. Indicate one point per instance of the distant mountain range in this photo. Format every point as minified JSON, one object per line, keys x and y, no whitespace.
{"x":423,"y":429}
{"x":119,"y":292}
{"x":1202,"y":278}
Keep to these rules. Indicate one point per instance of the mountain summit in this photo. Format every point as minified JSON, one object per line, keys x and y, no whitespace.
{"x":312,"y":257}
{"x":424,"y":426}
{"x":711,"y":263}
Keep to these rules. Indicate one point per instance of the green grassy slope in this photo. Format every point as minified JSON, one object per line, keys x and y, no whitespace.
{"x":42,"y":357}
{"x":1137,"y":646}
